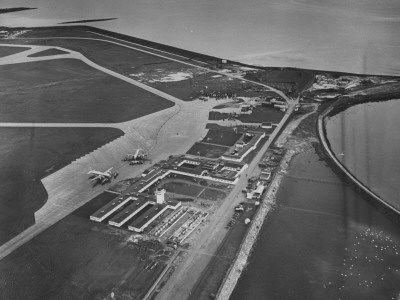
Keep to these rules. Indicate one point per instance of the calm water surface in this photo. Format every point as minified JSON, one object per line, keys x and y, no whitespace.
{"x":323,"y":242}
{"x":354,"y":36}
{"x":366,"y":139}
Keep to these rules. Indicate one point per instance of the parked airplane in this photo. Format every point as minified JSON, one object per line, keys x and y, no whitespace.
{"x":102,"y":177}
{"x":135,"y":156}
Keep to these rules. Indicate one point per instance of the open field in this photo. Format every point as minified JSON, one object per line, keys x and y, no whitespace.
{"x":48,"y":52}
{"x":172,"y":77}
{"x":222,"y":137}
{"x":289,"y":80}
{"x":5,"y":51}
{"x":207,"y":150}
{"x":92,"y":275}
{"x":80,"y":259}
{"x":29,"y":154}
{"x":93,"y":32}
{"x":213,"y":195}
{"x":182,"y":188}
{"x":67,"y":90}
{"x":262,"y":114}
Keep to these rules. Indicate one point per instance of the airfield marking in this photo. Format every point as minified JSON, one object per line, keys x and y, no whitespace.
{"x":72,"y":193}
{"x":169,"y":58}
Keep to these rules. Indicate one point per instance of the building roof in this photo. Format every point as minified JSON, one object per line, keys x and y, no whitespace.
{"x":136,"y":206}
{"x":148,"y":215}
{"x":109,"y":206}
{"x":230,"y":164}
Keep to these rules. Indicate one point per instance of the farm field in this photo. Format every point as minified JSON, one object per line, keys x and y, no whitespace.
{"x":80,"y":259}
{"x":28,"y":155}
{"x":5,"y":51}
{"x":67,"y":90}
{"x":207,"y":150}
{"x":221,"y":137}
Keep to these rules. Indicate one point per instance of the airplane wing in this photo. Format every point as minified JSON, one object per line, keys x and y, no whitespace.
{"x":109,"y":170}
{"x":93,"y":172}
{"x":98,"y":177}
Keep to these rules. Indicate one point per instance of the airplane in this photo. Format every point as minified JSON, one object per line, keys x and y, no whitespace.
{"x":135,"y":156}
{"x":102,"y":177}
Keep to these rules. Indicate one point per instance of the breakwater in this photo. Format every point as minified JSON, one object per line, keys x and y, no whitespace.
{"x":321,"y":129}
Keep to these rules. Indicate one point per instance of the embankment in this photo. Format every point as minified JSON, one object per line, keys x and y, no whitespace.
{"x":266,"y":206}
{"x":321,"y":129}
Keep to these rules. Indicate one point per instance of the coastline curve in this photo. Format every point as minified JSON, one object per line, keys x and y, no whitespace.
{"x":321,"y":129}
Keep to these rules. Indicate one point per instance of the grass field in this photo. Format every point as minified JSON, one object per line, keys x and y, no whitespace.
{"x":182,"y":188}
{"x":5,"y":51}
{"x":216,"y":116}
{"x":152,"y":69}
{"x":67,"y":90}
{"x":297,"y":79}
{"x":48,"y":52}
{"x":79,"y":259}
{"x":207,"y":150}
{"x":221,"y":137}
{"x":262,"y":114}
{"x":212,"y":195}
{"x":27,"y":155}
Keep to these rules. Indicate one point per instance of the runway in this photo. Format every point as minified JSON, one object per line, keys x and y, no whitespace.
{"x":168,"y":132}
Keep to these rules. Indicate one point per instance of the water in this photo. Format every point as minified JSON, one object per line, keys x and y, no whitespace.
{"x":365,"y":138}
{"x":323,"y":242}
{"x":353,"y":36}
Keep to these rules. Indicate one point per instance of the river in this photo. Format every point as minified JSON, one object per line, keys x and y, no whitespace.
{"x":324,"y":241}
{"x":350,"y":36}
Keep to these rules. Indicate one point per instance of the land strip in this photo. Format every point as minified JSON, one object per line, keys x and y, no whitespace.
{"x":170,"y":131}
{"x":267,"y":204}
{"x":154,"y":52}
{"x":185,"y":277}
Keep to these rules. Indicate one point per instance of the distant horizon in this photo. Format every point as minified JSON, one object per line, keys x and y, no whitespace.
{"x":358,"y":37}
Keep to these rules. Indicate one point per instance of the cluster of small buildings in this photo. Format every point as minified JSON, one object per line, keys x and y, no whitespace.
{"x":275,"y":102}
{"x":247,"y":143}
{"x":257,"y":185}
{"x":136,"y":209}
{"x":143,"y":203}
{"x":218,"y":95}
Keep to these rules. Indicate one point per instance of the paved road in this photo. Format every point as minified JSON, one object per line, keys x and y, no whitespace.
{"x":185,"y":277}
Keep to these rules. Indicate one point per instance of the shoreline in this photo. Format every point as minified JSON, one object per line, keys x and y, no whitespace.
{"x":244,"y":251}
{"x":321,"y":131}
{"x":203,"y":57}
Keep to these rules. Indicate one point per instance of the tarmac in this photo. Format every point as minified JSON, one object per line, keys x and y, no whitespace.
{"x":170,"y":131}
{"x":167,"y":132}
